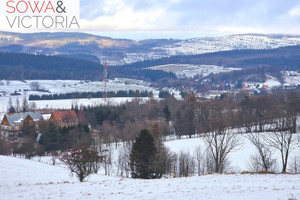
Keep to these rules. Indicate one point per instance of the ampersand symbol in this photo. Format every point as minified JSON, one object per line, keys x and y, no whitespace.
{"x":59,"y":8}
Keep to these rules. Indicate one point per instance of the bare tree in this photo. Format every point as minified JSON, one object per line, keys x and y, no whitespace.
{"x":199,"y":161}
{"x":35,"y":86}
{"x":186,"y":165}
{"x":210,"y":163}
{"x":185,"y":118}
{"x":262,"y":160}
{"x":32,"y":106}
{"x":219,"y":144}
{"x":247,"y":113}
{"x":107,"y":155}
{"x":124,"y":160}
{"x":18,"y":108}
{"x":283,"y":142}
{"x":54,"y":157}
{"x":255,"y":164}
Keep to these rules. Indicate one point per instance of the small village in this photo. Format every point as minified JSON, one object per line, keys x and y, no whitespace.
{"x":12,"y":123}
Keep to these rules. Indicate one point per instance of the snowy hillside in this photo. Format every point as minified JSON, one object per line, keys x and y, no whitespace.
{"x":232,"y":42}
{"x":203,"y":45}
{"x":291,"y":78}
{"x":25,"y":179}
{"x":92,"y":47}
{"x":69,"y":86}
{"x":183,"y":71}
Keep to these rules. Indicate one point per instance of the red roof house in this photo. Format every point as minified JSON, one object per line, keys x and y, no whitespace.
{"x":65,"y":118}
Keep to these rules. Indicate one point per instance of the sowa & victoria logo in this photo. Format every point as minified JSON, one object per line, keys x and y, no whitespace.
{"x":39,"y":14}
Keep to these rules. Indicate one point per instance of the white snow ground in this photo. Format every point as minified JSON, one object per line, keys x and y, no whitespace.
{"x":226,"y":43}
{"x":239,"y":158}
{"x":26,"y":179}
{"x":186,"y":70}
{"x":291,"y":78}
{"x":69,"y":86}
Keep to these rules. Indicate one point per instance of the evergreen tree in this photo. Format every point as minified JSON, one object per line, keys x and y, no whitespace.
{"x":17,"y":105}
{"x":10,"y":107}
{"x":52,"y":138}
{"x":142,"y":156}
{"x":25,"y":105}
{"x":162,"y":156}
{"x":29,"y":129}
{"x":167,"y":113}
{"x":11,"y":110}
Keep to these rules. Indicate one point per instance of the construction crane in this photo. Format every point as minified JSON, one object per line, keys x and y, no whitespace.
{"x":105,"y":79}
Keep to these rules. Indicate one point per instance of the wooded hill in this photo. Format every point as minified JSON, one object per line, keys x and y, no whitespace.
{"x":18,"y":66}
{"x":285,"y":57}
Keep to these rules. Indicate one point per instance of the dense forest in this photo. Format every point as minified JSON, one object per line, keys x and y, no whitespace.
{"x":17,"y":66}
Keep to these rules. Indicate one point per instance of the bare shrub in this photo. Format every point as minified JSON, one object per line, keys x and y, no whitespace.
{"x":124,"y":160}
{"x":35,"y":86}
{"x":54,"y":157}
{"x":107,"y":159}
{"x":199,"y":157}
{"x":82,"y":161}
{"x":294,"y":165}
{"x":4,"y":147}
{"x":256,"y":164}
{"x":186,"y":165}
{"x":262,"y":160}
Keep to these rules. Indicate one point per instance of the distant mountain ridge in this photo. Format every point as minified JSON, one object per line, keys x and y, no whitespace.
{"x":64,"y":43}
{"x":124,"y":51}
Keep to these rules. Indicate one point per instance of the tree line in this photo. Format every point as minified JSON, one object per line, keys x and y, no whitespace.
{"x":269,"y":122}
{"x":79,"y":95}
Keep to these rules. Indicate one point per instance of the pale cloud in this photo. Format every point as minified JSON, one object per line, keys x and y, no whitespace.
{"x":295,"y":12}
{"x":234,"y":16}
{"x":118,"y":15}
{"x":128,"y":19}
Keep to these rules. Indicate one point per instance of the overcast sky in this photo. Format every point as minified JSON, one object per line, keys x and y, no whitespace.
{"x":190,"y":17}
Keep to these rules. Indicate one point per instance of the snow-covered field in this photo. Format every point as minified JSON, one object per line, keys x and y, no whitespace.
{"x":185,"y":70}
{"x":68,"y":86}
{"x":30,"y":179}
{"x":272,"y":81}
{"x":26,"y":179}
{"x":67,"y":103}
{"x":291,"y":78}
